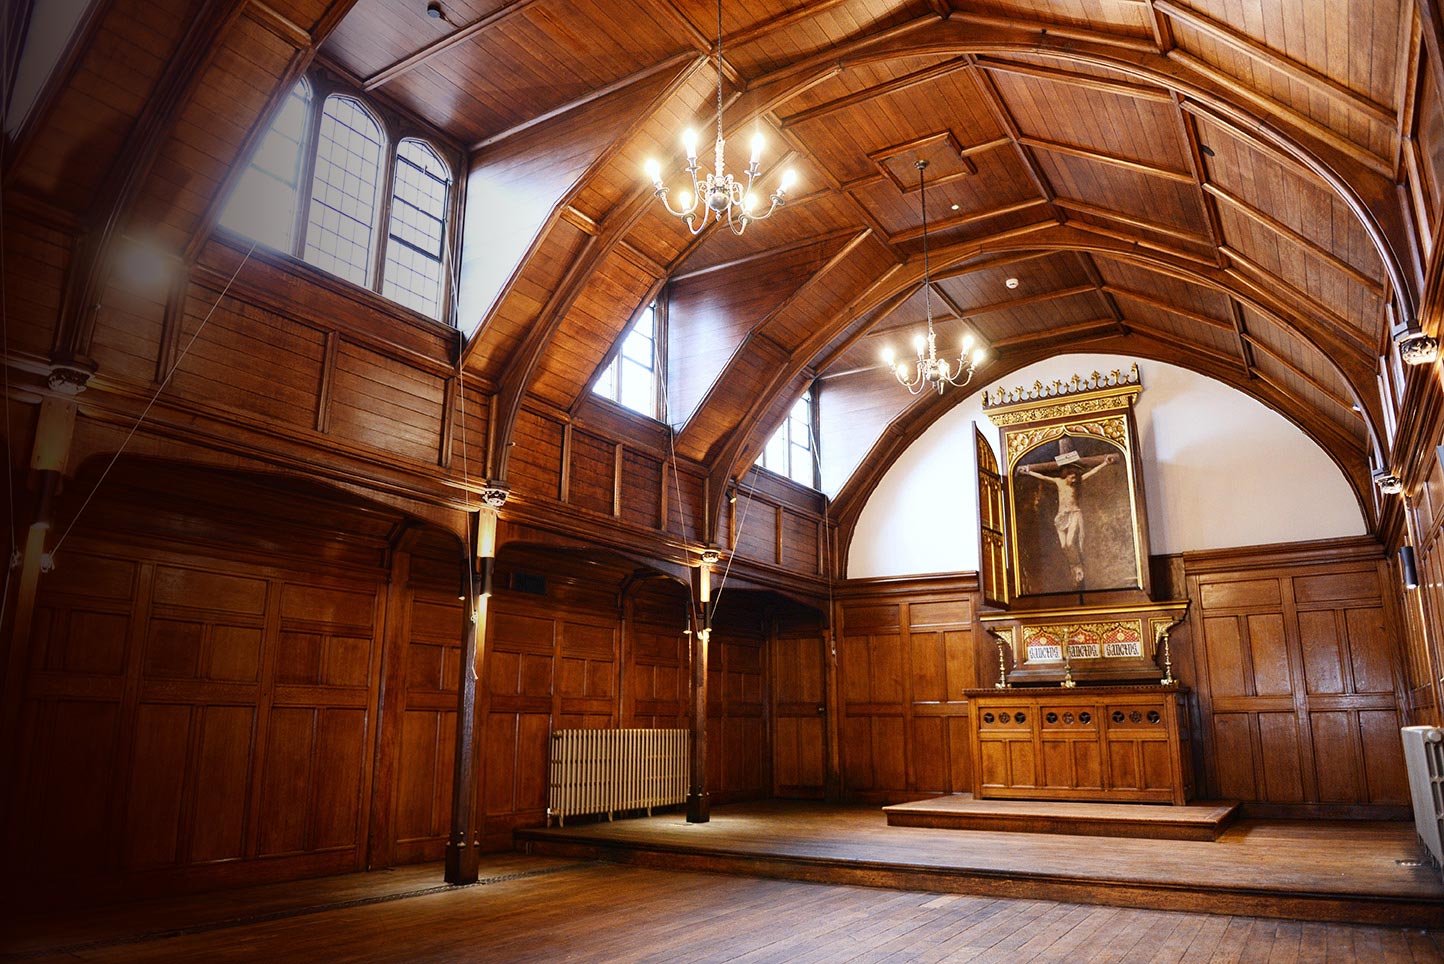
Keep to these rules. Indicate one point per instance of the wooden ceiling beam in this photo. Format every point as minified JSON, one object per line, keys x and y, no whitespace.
{"x":591,"y":97}
{"x":1083,"y":207}
{"x":461,"y":35}
{"x":1103,"y":157}
{"x":766,"y":254}
{"x":922,"y":76}
{"x":1168,"y":306}
{"x":1289,"y":234}
{"x":1107,"y":326}
{"x":1074,"y":78}
{"x":1162,"y":29}
{"x":1090,"y":268}
{"x":998,"y":107}
{"x":1145,"y":330}
{"x":1067,"y":32}
{"x":1188,"y":129}
{"x":948,"y":224}
{"x":1240,"y":336}
{"x":1315,"y":306}
{"x":1313,"y":383}
{"x":1300,"y":73}
{"x":1243,"y":92}
{"x":702,"y":41}
{"x":772,"y":25}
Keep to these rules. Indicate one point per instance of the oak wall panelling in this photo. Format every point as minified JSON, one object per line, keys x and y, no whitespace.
{"x":600,"y":642}
{"x":907,"y":650}
{"x":1295,"y":659}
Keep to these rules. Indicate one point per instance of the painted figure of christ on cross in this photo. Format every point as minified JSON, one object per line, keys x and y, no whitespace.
{"x":1067,"y":472}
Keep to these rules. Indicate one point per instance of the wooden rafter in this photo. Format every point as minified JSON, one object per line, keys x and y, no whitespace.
{"x":1313,"y":383}
{"x":461,"y":35}
{"x":1073,"y":78}
{"x":1294,"y":237}
{"x":1295,"y":71}
{"x":1090,"y":268}
{"x":913,"y":79}
{"x":1103,"y":157}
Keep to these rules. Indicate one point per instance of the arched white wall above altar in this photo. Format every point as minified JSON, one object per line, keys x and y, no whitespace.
{"x":1220,"y":470}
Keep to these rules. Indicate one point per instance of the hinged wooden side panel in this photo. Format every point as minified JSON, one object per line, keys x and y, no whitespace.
{"x":992,"y":516}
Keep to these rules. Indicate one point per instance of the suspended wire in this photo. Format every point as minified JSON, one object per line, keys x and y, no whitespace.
{"x":826,"y":502}
{"x":14,"y":556}
{"x":175,"y":366}
{"x":661,"y":372}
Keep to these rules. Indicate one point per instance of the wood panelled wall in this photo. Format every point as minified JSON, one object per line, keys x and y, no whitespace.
{"x":575,"y":643}
{"x":1423,"y":658}
{"x":907,"y":649}
{"x":216,"y":711}
{"x":1292,"y":652}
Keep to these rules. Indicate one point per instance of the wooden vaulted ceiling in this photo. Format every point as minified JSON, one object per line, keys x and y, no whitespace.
{"x":1207,"y":182}
{"x":1201,"y":183}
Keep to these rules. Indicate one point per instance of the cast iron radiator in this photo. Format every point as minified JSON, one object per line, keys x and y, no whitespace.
{"x":611,"y":771}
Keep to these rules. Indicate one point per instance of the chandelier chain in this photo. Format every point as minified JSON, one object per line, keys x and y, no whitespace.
{"x":932,"y":371}
{"x":719,"y":197}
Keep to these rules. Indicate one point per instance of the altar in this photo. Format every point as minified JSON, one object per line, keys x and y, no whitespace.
{"x":1086,"y":707}
{"x":1110,"y":744}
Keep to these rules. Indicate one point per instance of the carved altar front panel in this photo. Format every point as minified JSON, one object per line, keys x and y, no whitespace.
{"x":1116,"y":744}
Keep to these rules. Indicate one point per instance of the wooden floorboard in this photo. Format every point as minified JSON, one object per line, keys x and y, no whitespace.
{"x":540,"y":911}
{"x":1342,"y":871}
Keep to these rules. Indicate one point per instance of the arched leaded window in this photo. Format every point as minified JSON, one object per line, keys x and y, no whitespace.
{"x":340,"y":229}
{"x":263,"y":205}
{"x":416,"y":240}
{"x":316,"y":189}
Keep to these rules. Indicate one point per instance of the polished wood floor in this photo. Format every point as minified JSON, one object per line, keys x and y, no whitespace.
{"x":530,"y":909}
{"x":1314,"y":870}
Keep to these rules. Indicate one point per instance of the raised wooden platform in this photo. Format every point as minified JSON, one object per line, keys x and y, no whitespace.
{"x":1310,"y":870}
{"x":960,"y":811}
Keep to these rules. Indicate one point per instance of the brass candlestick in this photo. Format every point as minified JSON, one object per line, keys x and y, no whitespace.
{"x":1168,"y":679}
{"x":1002,"y":682}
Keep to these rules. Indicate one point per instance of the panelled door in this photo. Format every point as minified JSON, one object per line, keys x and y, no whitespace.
{"x":799,"y":745}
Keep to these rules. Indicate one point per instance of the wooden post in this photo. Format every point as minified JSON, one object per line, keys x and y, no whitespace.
{"x":48,"y":460}
{"x":462,"y":855}
{"x":699,"y":806}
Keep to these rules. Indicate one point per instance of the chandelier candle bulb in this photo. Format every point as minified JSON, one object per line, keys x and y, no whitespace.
{"x":932,"y":371}
{"x":722,"y":196}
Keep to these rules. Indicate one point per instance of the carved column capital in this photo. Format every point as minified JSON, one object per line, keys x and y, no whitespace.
{"x":494,"y":494}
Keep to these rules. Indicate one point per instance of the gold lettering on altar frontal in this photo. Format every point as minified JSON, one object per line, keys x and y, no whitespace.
{"x":1105,"y":640}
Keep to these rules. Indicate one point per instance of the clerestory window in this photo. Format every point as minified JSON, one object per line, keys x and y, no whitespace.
{"x":790,"y":451}
{"x":314,"y":189}
{"x":630,"y":378}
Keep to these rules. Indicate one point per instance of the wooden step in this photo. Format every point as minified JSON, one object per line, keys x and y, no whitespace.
{"x":961,"y":811}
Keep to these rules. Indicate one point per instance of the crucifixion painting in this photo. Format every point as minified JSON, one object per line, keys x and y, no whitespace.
{"x":1075,"y":518}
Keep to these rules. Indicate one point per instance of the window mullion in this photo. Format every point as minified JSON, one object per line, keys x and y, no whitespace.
{"x":307,"y":174}
{"x":383,"y":225}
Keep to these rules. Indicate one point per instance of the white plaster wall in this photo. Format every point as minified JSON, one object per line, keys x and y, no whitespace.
{"x":1219,"y":470}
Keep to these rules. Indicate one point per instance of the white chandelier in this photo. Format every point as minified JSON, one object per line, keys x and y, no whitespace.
{"x":719,"y":195}
{"x":930,"y":370}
